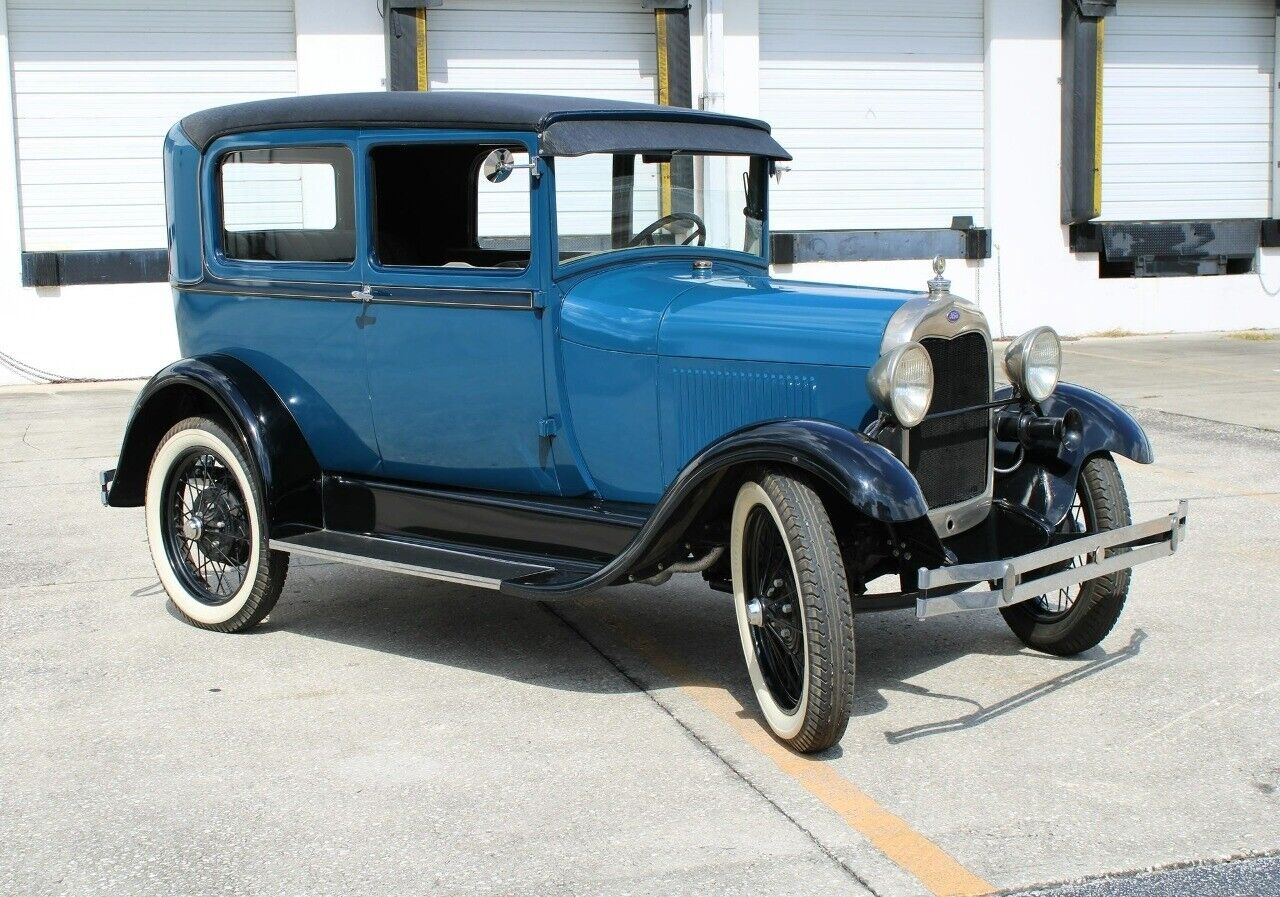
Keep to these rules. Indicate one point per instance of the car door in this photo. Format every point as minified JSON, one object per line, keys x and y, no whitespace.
{"x":282,"y":257}
{"x":454,"y":342}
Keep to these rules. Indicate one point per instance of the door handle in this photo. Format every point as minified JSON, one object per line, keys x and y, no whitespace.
{"x":364,"y":319}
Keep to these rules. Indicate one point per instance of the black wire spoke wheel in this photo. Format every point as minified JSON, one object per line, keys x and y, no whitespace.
{"x":794,"y":613}
{"x":777,"y":626}
{"x":206,"y":527}
{"x":1068,"y":621}
{"x":1055,"y":605}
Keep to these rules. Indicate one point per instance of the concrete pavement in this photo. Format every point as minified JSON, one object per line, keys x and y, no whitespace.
{"x":382,"y":735}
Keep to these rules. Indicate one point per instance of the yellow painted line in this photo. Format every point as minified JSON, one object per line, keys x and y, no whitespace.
{"x":936,"y":869}
{"x":664,"y":99}
{"x":420,"y":23}
{"x":1097,"y":120}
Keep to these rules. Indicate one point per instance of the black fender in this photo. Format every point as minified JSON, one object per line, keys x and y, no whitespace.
{"x":1107,"y":426}
{"x":1043,"y":486}
{"x":290,"y":475}
{"x":867,"y":475}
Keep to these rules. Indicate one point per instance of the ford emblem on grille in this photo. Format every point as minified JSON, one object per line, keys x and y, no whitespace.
{"x":953,"y":315}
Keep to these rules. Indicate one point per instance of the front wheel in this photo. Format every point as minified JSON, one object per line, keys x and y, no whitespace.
{"x":207,"y":529}
{"x":795,"y":616}
{"x":1076,"y":618}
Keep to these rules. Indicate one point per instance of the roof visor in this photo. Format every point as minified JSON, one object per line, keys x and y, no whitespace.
{"x":567,"y":126}
{"x":622,"y":135}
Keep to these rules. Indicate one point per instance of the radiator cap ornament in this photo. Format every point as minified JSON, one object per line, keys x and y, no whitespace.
{"x":939,"y":287}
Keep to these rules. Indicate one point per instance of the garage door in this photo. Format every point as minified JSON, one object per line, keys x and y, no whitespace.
{"x":882,"y":107}
{"x":596,"y":48}
{"x":98,"y":83}
{"x":601,"y":48}
{"x":1187,"y":87}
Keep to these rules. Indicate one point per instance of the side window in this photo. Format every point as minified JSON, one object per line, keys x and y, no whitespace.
{"x":288,"y":204}
{"x":502,"y":209}
{"x":434,"y":209}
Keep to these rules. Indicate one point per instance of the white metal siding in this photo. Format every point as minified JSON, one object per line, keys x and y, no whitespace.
{"x":1187,"y":117}
{"x":98,"y":83}
{"x":602,"y":48}
{"x":594,"y":48}
{"x":882,"y":107}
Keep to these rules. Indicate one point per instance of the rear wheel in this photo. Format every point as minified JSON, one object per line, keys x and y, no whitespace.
{"x":207,"y":529}
{"x":1074,"y":619}
{"x":795,"y":616}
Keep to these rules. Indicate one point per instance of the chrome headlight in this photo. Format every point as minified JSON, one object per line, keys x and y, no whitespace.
{"x":1033,"y":362}
{"x":901,"y":383}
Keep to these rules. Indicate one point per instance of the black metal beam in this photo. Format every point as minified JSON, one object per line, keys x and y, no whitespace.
{"x":1083,"y":35}
{"x":794,"y":247}
{"x":407,"y":44}
{"x":95,"y":266}
{"x":1174,"y":248}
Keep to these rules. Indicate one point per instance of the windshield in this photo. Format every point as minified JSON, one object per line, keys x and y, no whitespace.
{"x":605,"y":203}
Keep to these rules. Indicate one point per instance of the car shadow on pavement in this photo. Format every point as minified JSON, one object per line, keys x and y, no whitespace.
{"x":1092,"y":662}
{"x":437,"y":623}
{"x":693,"y":631}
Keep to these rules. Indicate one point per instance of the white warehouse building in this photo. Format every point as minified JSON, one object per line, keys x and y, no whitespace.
{"x":1091,"y":164}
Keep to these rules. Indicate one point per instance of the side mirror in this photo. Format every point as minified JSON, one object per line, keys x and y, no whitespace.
{"x":498,"y":166}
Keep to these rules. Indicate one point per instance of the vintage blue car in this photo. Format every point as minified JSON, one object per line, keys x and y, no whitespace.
{"x":531,"y":344}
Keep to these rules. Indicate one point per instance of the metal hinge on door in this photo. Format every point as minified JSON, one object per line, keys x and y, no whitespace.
{"x":549,"y":426}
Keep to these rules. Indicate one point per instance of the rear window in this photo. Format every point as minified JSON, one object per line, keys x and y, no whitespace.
{"x":288,"y":204}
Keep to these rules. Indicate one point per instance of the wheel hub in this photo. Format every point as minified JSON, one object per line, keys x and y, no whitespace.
{"x":193,"y":527}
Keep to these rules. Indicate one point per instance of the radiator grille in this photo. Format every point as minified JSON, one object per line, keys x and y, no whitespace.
{"x":950,"y":456}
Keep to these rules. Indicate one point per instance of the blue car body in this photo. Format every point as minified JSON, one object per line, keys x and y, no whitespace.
{"x":592,"y":405}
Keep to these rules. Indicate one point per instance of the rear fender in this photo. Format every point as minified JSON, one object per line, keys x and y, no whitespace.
{"x":267,"y":431}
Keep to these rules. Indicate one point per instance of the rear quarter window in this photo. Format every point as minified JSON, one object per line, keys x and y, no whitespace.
{"x":288,"y":204}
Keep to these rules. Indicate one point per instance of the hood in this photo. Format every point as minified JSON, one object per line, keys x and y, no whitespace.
{"x":664,"y":308}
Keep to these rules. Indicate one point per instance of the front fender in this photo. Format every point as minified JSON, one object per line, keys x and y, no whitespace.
{"x":868,"y":475}
{"x":267,"y":431}
{"x":863,"y":472}
{"x":1045,"y":486}
{"x":1107,"y":426}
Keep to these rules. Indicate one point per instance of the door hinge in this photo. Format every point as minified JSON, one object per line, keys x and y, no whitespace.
{"x":549,"y":426}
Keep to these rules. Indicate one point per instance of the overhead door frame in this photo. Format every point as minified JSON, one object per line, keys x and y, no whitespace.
{"x":1150,"y":248}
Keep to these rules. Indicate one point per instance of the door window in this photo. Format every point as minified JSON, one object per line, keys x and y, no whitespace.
{"x":432,"y":208}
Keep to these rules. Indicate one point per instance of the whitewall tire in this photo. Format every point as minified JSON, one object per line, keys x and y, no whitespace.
{"x":795,"y":616}
{"x":207,"y":529}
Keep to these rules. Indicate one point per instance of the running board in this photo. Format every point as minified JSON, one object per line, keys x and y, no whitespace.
{"x":470,"y":568}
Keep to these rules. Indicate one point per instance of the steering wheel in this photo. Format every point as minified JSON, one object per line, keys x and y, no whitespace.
{"x":645,"y":237}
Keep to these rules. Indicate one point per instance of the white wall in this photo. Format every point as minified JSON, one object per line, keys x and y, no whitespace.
{"x":127,"y":330}
{"x":1033,"y":278}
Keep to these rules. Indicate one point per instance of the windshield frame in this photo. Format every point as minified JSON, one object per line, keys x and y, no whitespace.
{"x":759,"y":169}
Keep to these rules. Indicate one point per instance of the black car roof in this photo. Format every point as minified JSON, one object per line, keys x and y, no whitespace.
{"x":568,"y":126}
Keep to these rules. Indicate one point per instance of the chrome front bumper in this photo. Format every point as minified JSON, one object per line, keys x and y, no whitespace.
{"x":1015,"y":580}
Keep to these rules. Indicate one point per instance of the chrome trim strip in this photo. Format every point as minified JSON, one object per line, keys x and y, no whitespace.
{"x":483,"y":582}
{"x":344,"y":292}
{"x":397,"y":295}
{"x":1008,"y":574}
{"x":267,"y":294}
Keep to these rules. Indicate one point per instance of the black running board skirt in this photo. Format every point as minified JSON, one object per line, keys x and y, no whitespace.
{"x":432,"y":561}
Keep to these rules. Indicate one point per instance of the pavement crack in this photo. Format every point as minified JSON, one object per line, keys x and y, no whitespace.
{"x":643,"y":688}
